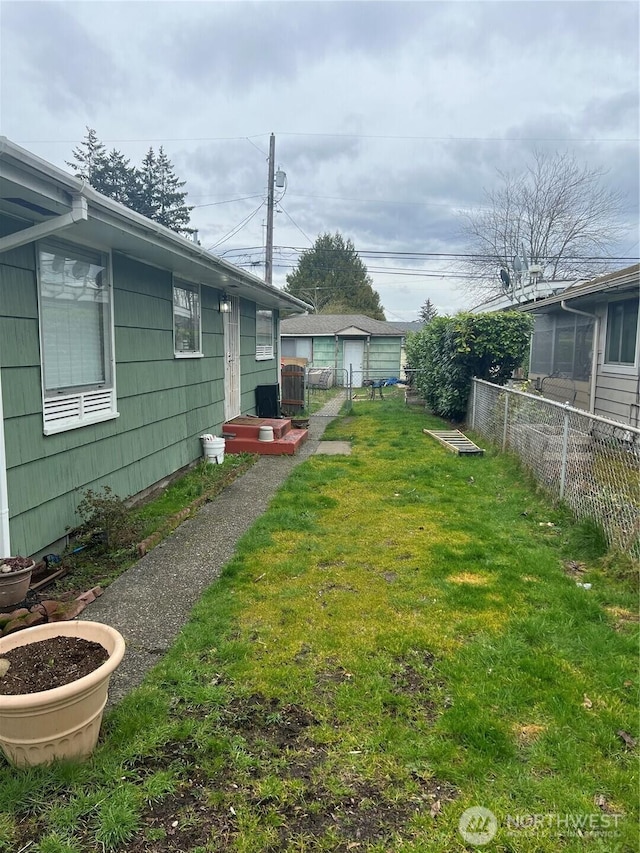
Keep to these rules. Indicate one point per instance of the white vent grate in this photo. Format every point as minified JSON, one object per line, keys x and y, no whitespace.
{"x":76,"y":410}
{"x":264,"y":352}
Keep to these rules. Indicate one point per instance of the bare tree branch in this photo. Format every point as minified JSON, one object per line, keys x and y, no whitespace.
{"x":558,"y":212}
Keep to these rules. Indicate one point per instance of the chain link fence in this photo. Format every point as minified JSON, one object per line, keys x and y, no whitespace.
{"x":324,"y":384}
{"x":591,"y":463}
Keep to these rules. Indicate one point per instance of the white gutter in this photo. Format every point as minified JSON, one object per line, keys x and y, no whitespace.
{"x":116,"y":215}
{"x":78,"y":213}
{"x":594,"y":354}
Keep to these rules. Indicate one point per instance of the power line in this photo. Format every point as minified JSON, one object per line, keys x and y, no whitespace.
{"x":463,"y":138}
{"x":397,"y":137}
{"x":373,"y":200}
{"x":296,"y":225}
{"x":237,"y":228}
{"x":227,"y":201}
{"x":391,"y":253}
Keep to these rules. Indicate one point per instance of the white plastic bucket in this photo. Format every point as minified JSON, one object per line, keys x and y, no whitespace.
{"x":265,"y":433}
{"x":213,"y":448}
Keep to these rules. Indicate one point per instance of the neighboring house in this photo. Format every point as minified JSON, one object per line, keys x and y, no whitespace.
{"x":586,"y":345}
{"x":410,"y":326}
{"x":371,"y":349}
{"x":121,"y":343}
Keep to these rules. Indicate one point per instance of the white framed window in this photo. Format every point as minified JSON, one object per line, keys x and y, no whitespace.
{"x":76,"y":336}
{"x":562,"y":346}
{"x":187,"y":323}
{"x":622,"y":334}
{"x":264,"y":334}
{"x":298,"y":347}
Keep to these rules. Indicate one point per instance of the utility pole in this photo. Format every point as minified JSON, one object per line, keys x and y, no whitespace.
{"x":268,"y":260}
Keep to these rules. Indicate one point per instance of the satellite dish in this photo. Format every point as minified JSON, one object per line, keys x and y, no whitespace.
{"x":505,"y":278}
{"x":517,"y":264}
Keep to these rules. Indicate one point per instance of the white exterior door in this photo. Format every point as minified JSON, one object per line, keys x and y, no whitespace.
{"x":231,"y":323}
{"x":354,"y":355}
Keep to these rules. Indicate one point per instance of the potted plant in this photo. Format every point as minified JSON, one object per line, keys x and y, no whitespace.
{"x":15,"y":577}
{"x":300,"y":420}
{"x":64,"y":721}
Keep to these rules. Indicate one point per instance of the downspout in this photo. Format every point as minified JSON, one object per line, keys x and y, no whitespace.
{"x":5,"y":537}
{"x":78,"y":213}
{"x":594,"y":354}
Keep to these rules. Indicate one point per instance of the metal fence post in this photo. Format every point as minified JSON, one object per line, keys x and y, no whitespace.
{"x":349,"y":380}
{"x":565,"y":447}
{"x":506,"y":419}
{"x":473,"y":403}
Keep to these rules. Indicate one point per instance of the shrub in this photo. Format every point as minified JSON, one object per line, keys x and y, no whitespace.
{"x":450,"y":351}
{"x":106,"y":521}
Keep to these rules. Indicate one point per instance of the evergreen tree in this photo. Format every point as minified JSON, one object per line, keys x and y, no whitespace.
{"x":152,"y":190}
{"x":89,"y":157}
{"x":428,"y":312}
{"x":148,"y":178}
{"x":161,"y":196}
{"x":118,"y":180}
{"x":332,"y":277}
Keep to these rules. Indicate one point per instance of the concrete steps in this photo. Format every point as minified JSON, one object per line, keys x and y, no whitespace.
{"x":241,"y":436}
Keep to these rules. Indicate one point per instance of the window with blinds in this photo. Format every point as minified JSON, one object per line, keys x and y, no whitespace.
{"x":187,"y":331}
{"x":74,"y":295}
{"x":264,"y":334}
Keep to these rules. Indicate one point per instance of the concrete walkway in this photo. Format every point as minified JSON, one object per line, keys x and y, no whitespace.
{"x":151,"y":601}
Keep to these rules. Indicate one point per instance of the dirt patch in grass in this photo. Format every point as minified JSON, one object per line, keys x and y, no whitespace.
{"x":177,"y":755}
{"x":413,"y":678}
{"x":325,"y":812}
{"x":328,"y":680}
{"x":184,"y":821}
{"x":362,"y":816}
{"x":258,"y":718}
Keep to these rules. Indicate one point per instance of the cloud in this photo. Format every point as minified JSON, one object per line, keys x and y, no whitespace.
{"x":390,"y":117}
{"x":257,"y":44}
{"x":69,"y":66}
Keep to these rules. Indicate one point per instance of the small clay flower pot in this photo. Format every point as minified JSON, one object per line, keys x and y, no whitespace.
{"x":14,"y":585}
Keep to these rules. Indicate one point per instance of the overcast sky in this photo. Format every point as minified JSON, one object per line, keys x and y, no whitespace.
{"x":390,"y":117}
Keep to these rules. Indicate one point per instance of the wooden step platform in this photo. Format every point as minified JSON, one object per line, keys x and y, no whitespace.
{"x":241,"y":436}
{"x":454,"y":440}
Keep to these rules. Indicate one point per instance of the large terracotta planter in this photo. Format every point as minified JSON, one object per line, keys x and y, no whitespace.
{"x":15,"y":585}
{"x":36,"y":728}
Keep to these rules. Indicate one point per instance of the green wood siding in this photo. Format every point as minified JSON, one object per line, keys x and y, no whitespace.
{"x":252,"y":372}
{"x":324,"y":352}
{"x":164,"y":403}
{"x":384,"y":357}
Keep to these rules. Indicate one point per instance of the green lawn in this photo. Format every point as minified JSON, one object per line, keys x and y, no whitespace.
{"x":398,"y":639}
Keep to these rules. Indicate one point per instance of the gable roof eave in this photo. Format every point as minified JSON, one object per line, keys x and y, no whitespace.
{"x":47,"y":191}
{"x":623,"y":280}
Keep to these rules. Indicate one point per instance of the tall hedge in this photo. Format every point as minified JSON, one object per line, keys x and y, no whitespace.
{"x":450,"y":351}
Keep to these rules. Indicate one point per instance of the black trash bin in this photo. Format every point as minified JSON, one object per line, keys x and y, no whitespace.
{"x":268,"y":401}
